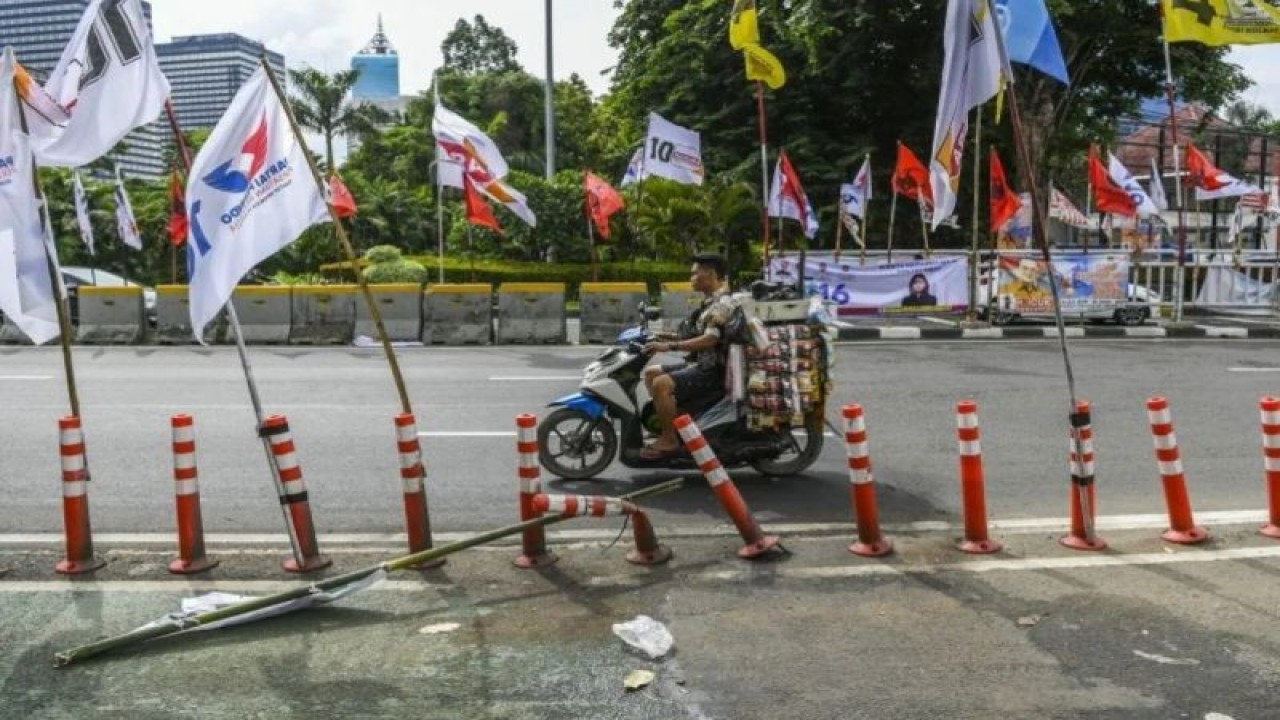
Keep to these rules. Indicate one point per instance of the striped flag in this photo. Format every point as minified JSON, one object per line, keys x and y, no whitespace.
{"x":1064,"y":211}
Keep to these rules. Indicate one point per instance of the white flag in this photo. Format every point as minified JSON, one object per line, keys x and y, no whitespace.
{"x":1231,"y":186}
{"x":672,"y":152}
{"x":635,"y":168}
{"x":972,"y":73}
{"x":1156,"y":185}
{"x":1125,"y":179}
{"x":126,"y":223}
{"x":26,"y":293}
{"x":109,"y":81}
{"x":82,"y":211}
{"x":249,"y":194}
{"x":460,"y":146}
{"x":854,"y":196}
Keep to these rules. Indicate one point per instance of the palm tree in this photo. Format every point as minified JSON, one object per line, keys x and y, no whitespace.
{"x":321,"y":105}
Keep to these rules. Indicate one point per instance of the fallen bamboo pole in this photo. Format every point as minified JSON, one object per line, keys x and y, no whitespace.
{"x":150,"y":632}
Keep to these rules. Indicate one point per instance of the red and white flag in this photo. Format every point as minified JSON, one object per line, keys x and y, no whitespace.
{"x":787,"y":198}
{"x":1212,"y":183}
{"x":478,"y":211}
{"x":1108,"y":195}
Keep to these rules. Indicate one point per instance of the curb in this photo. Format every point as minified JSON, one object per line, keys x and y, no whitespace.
{"x":1049,"y":332}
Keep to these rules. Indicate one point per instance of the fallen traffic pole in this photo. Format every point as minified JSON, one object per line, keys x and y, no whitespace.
{"x":648,"y":550}
{"x":866,"y":509}
{"x":413,"y":477}
{"x":757,"y":543}
{"x":191,"y":553}
{"x":293,"y":496}
{"x":1084,"y":498}
{"x":533,"y":542}
{"x":973,"y":481}
{"x":75,"y":501}
{"x":1182,"y":526}
{"x":407,"y":562}
{"x":1271,"y":463}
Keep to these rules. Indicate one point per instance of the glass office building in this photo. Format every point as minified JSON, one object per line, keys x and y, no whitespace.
{"x":206,"y":71}
{"x":379,"y":68}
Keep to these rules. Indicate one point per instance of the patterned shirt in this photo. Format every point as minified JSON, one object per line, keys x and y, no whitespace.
{"x":713,"y":315}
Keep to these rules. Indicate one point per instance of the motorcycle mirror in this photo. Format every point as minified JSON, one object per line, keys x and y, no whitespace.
{"x":648,"y":312}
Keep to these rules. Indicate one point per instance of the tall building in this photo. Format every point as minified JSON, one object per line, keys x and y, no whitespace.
{"x":38,"y":30}
{"x":206,"y":71}
{"x":379,"y":68}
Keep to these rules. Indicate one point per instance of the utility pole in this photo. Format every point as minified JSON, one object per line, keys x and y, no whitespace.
{"x":549,"y":100}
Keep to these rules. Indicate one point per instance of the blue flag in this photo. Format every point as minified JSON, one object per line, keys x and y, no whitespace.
{"x":1029,"y":37}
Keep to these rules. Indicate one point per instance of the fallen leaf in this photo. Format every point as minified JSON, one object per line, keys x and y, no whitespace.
{"x":637,"y":679}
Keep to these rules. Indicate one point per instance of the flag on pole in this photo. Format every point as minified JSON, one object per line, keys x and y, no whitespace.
{"x":1108,"y":195}
{"x":249,"y":195}
{"x":478,"y":211}
{"x":109,"y":82}
{"x":82,"y":211}
{"x":1211,"y":182}
{"x":602,"y":201}
{"x":854,"y":196}
{"x":787,"y":198}
{"x":1063,"y":210}
{"x":1125,"y":179}
{"x":26,"y":292}
{"x":1030,"y":38}
{"x":672,"y":152}
{"x":973,"y":72}
{"x":460,"y":146}
{"x":764,"y":66}
{"x":1156,"y":188}
{"x":911,"y":177}
{"x":178,"y":226}
{"x":1221,"y":22}
{"x":635,"y":167}
{"x":126,"y":223}
{"x":507,"y":196}
{"x":1005,"y":203}
{"x":744,"y":26}
{"x":343,"y":202}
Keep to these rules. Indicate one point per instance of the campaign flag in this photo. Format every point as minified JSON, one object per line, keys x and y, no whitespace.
{"x":602,"y":201}
{"x":854,"y":196}
{"x":787,"y":198}
{"x":43,"y":112}
{"x":343,"y":202}
{"x":672,"y":152}
{"x":1221,"y":22}
{"x":478,"y":211}
{"x":1005,"y":203}
{"x":1212,"y":183}
{"x":510,"y":198}
{"x":1029,"y":37}
{"x":26,"y":292}
{"x":973,"y":71}
{"x":1141,"y":201}
{"x":635,"y":168}
{"x":109,"y":82}
{"x":82,"y":211}
{"x":744,"y":26}
{"x":1063,"y":210}
{"x":911,"y":177}
{"x":1156,"y":188}
{"x":460,"y":146}
{"x":764,"y":66}
{"x":178,"y":226}
{"x":249,"y":194}
{"x":1108,"y":195}
{"x":126,"y":222}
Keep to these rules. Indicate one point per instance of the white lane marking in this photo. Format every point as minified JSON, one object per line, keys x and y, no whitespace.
{"x":1253,"y":369}
{"x":532,"y":378}
{"x":467,"y":433}
{"x":1223,"y":331}
{"x":26,"y":377}
{"x":900,"y":333}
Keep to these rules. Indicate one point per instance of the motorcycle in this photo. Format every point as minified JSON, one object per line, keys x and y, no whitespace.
{"x":580,"y":438}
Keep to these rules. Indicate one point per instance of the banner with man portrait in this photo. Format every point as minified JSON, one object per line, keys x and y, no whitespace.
{"x":1086,"y":282}
{"x":922,"y":286}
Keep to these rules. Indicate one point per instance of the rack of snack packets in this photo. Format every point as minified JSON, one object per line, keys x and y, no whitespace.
{"x":787,"y":365}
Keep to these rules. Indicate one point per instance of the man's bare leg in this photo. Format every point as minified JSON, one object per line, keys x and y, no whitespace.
{"x":664,"y":403}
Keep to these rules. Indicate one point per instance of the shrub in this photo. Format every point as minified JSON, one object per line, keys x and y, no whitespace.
{"x":386,"y":265}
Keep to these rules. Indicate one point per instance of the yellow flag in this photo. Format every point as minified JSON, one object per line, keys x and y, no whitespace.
{"x":762,"y":65}
{"x":743,"y":29}
{"x":1220,"y":22}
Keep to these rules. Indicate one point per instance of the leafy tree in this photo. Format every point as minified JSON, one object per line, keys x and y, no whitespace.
{"x":479,"y":47}
{"x":321,"y":105}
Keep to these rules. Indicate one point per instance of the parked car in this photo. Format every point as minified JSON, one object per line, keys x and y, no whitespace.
{"x":76,"y":277}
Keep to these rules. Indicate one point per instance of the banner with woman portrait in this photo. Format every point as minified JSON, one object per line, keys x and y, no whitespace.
{"x":921,"y":286}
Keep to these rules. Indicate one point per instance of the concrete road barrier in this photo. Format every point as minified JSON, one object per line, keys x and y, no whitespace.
{"x":609,"y":308}
{"x":110,"y":315}
{"x":173,"y":317}
{"x":531,"y":313}
{"x":678,"y":303}
{"x":11,"y":335}
{"x":399,"y":304}
{"x":323,"y":314}
{"x":458,"y":314}
{"x":265,"y":313}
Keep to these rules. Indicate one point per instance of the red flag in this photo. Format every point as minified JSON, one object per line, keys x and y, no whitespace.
{"x":1108,"y":196}
{"x":1202,"y":172}
{"x":602,"y":201}
{"x":344,"y":204}
{"x":178,"y":226}
{"x":911,"y":177}
{"x":792,"y":189}
{"x":478,"y":211}
{"x":1005,"y":203}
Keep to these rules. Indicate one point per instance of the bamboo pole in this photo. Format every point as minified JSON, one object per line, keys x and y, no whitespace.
{"x":406,"y":562}
{"x":764,"y":174}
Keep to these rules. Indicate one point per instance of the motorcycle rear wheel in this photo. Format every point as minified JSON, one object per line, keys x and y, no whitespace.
{"x":575,"y":446}
{"x":808,"y":446}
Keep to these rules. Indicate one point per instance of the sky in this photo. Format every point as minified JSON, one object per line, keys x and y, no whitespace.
{"x":325,"y":33}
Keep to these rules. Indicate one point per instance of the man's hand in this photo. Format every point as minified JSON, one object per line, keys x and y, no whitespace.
{"x":656,"y":346}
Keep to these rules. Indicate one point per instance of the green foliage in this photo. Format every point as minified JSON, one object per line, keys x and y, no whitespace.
{"x":320,"y":105}
{"x":283,"y":277}
{"x":479,"y":48}
{"x":387,"y":265}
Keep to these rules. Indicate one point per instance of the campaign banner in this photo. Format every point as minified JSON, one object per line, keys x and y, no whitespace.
{"x":1086,"y":282}
{"x":915,"y":287}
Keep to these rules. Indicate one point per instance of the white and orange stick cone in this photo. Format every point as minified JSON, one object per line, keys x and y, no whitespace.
{"x":648,"y":550}
{"x":757,"y":543}
{"x":191,"y":552}
{"x":973,"y":481}
{"x":1182,"y":526}
{"x":533,"y":542}
{"x":1084,"y":500}
{"x":75,"y":501}
{"x":866,"y":510}
{"x":1270,"y":407}
{"x":413,"y":476}
{"x":293,"y":496}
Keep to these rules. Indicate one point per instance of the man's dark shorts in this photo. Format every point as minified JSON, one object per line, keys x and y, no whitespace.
{"x":694,"y":381}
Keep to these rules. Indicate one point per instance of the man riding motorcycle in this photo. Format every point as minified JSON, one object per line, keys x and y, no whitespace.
{"x":703,"y":341}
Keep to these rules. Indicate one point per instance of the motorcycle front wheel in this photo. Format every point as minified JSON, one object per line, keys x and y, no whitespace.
{"x":806,"y":446}
{"x":575,"y":446}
